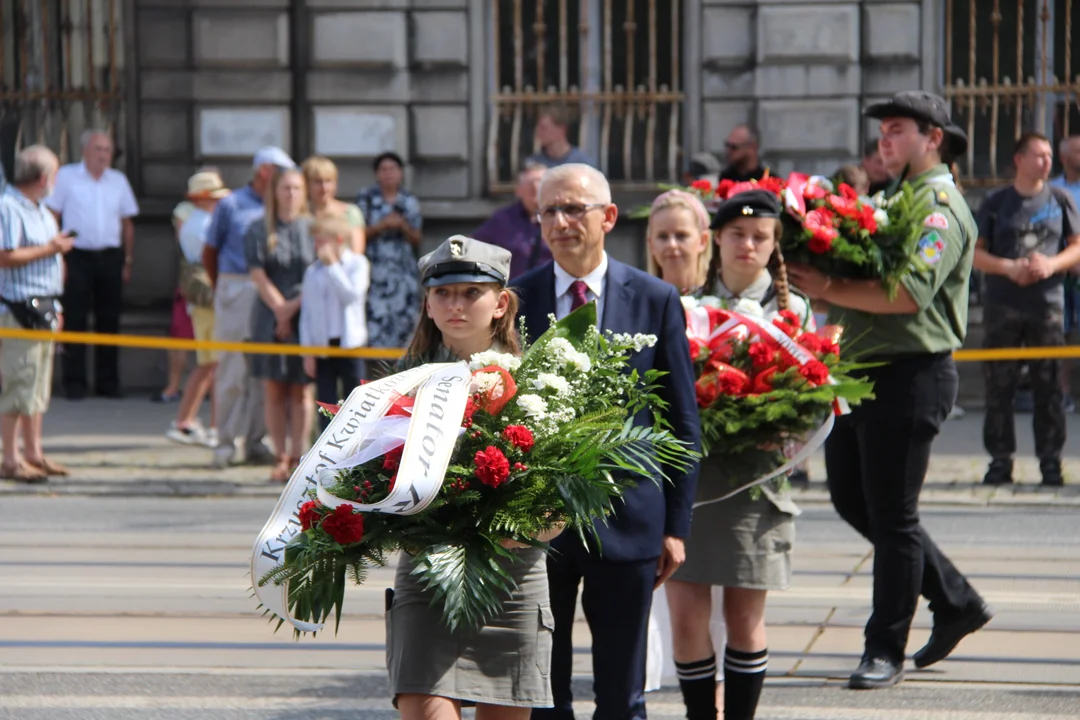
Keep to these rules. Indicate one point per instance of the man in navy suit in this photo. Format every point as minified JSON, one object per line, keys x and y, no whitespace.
{"x":642,"y":544}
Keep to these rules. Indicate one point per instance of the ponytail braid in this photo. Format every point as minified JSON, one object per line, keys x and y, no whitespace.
{"x":780,"y":279}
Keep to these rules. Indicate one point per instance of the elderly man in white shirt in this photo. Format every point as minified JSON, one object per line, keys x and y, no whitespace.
{"x":95,"y":203}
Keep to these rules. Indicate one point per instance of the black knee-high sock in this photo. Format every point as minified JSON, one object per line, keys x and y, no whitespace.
{"x":698,"y":683}
{"x":744,"y":675}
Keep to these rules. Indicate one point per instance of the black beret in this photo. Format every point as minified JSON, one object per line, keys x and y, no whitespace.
{"x":914,"y":104}
{"x":752,"y":203}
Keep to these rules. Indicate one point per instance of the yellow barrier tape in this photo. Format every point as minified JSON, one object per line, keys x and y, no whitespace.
{"x":168,"y":343}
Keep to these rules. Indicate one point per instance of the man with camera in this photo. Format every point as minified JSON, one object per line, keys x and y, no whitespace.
{"x":31,"y":275}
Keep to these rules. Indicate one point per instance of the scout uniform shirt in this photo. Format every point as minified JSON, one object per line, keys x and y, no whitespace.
{"x":941,"y":292}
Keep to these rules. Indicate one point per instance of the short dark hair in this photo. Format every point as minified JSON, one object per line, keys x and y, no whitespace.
{"x":388,"y":155}
{"x":1023,"y":143}
{"x":870,"y":148}
{"x":557,"y":112}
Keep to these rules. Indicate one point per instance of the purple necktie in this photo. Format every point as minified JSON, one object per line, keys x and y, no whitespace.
{"x":577,"y":293}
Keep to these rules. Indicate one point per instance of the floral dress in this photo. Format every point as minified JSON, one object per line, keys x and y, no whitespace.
{"x":393,"y":301}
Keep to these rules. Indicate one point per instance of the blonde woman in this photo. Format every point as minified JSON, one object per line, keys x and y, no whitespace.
{"x":321,"y":176}
{"x":279,"y":251}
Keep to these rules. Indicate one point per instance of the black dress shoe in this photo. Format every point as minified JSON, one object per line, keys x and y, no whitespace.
{"x":876,"y":672}
{"x":947,"y":634}
{"x":999,"y":472}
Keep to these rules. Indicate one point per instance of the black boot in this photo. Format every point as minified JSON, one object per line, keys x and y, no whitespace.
{"x":1051,"y":472}
{"x":999,"y":472}
{"x":744,"y":676}
{"x":698,"y":683}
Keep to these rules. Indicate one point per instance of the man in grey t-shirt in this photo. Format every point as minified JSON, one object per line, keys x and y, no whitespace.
{"x":1029,"y":235}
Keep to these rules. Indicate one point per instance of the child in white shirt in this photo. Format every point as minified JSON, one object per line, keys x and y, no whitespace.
{"x":332,"y":310}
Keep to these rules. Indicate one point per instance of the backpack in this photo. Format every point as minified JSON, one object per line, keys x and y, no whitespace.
{"x":195,"y":284}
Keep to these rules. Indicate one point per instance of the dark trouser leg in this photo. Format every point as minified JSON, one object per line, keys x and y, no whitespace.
{"x":326,"y":384}
{"x":843,"y":466}
{"x":564,"y":576}
{"x":616,"y":598}
{"x":77,"y":291}
{"x":1003,"y":329}
{"x":913,"y":399}
{"x":108,"y":301}
{"x":1049,"y":414}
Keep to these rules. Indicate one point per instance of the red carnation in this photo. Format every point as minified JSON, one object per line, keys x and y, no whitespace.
{"x":702,"y":186}
{"x":698,"y":350}
{"x":393,"y":481}
{"x":392,"y":459}
{"x":848,"y":191}
{"x":773,"y":184}
{"x":761,"y":355}
{"x":520,"y":437}
{"x":819,"y":245}
{"x":308,"y":515}
{"x":732,"y":383}
{"x":813,"y":191}
{"x":344,"y":526}
{"x":470,"y":408}
{"x":845,"y":207}
{"x":812,"y":343}
{"x":866,"y":219}
{"x":492,"y":467}
{"x":815,"y":372}
{"x":789,"y":322}
{"x":723,"y":188}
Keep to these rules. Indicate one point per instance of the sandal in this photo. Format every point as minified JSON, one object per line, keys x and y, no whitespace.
{"x":281,"y":472}
{"x":48,"y":467}
{"x":22,"y":473}
{"x":294,"y":463}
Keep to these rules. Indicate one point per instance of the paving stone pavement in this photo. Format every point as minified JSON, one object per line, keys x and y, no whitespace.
{"x":118,"y":447}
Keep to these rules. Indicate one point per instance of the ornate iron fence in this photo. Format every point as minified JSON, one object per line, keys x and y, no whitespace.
{"x":614,"y":64}
{"x":61,"y":72}
{"x":1009,"y":68}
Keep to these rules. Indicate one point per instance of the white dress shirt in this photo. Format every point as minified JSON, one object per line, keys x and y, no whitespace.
{"x":595,"y":281}
{"x":333,"y":300}
{"x":93,"y":207}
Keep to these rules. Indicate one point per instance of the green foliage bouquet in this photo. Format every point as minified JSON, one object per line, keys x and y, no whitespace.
{"x":542,"y":441}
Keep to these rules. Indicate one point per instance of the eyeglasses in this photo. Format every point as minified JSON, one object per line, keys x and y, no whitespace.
{"x":572,"y":211}
{"x":734,"y":146}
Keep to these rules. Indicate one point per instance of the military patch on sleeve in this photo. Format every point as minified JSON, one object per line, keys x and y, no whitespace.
{"x":937,"y":220}
{"x":931,"y":248}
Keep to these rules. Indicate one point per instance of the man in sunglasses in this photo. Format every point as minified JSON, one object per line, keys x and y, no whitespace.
{"x":741,"y":155}
{"x":641,"y":545}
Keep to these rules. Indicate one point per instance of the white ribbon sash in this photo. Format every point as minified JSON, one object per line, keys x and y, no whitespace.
{"x":429,"y":442}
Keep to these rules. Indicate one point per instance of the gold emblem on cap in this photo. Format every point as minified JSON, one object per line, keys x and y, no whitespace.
{"x":457,"y":248}
{"x":747,"y":210}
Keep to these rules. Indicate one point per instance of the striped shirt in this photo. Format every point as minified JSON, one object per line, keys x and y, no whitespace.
{"x":24,"y":223}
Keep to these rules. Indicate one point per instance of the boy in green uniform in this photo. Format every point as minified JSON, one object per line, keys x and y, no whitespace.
{"x":878,"y":455}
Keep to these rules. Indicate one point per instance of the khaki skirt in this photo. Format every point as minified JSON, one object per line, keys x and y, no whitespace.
{"x":506,"y":662}
{"x":739,"y":542}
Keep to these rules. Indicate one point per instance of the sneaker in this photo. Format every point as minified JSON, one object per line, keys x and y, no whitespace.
{"x":223,"y":456}
{"x":956,"y":413}
{"x":190,"y":435}
{"x":1051,"y":473}
{"x":210,"y":438}
{"x":1068,"y":404}
{"x":999,"y":472}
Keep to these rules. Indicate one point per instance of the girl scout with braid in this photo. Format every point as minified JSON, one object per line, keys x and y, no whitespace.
{"x":741,"y":544}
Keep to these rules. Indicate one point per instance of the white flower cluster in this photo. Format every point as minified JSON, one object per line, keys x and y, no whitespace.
{"x":484,"y":382}
{"x":689,"y":302}
{"x":710,"y":301}
{"x":746,"y":306}
{"x":490,"y":357}
{"x":565,"y":354}
{"x":881,"y":218}
{"x":534,"y":406}
{"x":638,"y":342}
{"x":558,"y":383}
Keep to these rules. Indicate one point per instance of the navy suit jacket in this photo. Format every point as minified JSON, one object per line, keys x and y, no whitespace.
{"x":636,"y":302}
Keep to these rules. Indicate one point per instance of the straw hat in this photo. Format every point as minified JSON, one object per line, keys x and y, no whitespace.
{"x":206,"y":186}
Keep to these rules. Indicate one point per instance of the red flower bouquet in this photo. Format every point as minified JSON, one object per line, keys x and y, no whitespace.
{"x":830,"y":227}
{"x":762,"y":382}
